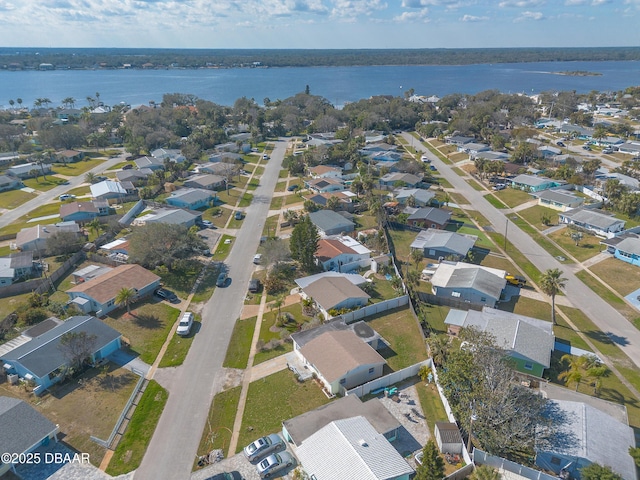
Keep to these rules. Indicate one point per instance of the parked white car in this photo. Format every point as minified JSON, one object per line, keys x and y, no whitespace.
{"x":186,"y":322}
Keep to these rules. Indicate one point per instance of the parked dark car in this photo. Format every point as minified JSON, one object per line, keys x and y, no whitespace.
{"x":222,"y":279}
{"x":293,"y":187}
{"x":254,"y":285}
{"x":238,"y":216}
{"x":560,"y":144}
{"x":167,"y":295}
{"x":128,"y":166}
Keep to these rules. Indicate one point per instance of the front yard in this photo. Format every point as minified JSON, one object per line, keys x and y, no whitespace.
{"x":621,"y":276}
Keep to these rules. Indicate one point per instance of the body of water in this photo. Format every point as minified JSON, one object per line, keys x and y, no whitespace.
{"x":339,"y":85}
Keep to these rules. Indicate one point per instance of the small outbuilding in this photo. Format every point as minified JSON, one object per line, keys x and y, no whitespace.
{"x":448,"y":438}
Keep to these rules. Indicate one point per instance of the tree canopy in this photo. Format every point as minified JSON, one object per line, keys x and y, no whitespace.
{"x":156,"y":244}
{"x":304,"y":243}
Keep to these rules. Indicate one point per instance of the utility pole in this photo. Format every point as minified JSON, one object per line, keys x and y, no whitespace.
{"x":506,"y":228}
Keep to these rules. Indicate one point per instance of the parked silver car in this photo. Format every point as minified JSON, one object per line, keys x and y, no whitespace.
{"x":274,"y":463}
{"x":264,"y":446}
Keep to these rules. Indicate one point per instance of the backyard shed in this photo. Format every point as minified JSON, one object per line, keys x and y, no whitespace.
{"x":448,"y":437}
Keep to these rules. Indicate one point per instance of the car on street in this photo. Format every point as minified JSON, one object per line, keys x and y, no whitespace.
{"x":167,"y":295}
{"x":222,"y":279}
{"x":293,"y":187}
{"x":274,"y":463}
{"x":238,"y":216}
{"x":264,"y":446}
{"x":265,"y":157}
{"x":227,"y":476}
{"x":433,"y":168}
{"x":425,"y":159}
{"x":586,"y":147}
{"x":257,"y":258}
{"x":560,"y":144}
{"x":66,"y":196}
{"x":186,"y":322}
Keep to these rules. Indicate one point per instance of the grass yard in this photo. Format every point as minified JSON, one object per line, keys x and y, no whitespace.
{"x":182,"y":280}
{"x":610,"y":297}
{"x":458,"y":198}
{"x":533,"y":215}
{"x":527,"y":306}
{"x":495,"y":201}
{"x":402,"y":240}
{"x":276,"y":398}
{"x":80,"y":191}
{"x":382,"y":290}
{"x":43,"y":185}
{"x":133,"y":444}
{"x":283,"y":174}
{"x":512,"y":197}
{"x":179,"y":346}
{"x":146,"y":328}
{"x":220,"y":218}
{"x":566,"y":334}
{"x":270,"y":226}
{"x":77,"y":168}
{"x":276,"y":203}
{"x":401,"y":331}
{"x":589,"y":246}
{"x":207,"y":285}
{"x":431,"y":404}
{"x":281,"y":186}
{"x":222,"y":416}
{"x":619,"y":275}
{"x":475,"y":184}
{"x":224,"y":247}
{"x":500,"y":262}
{"x":106,"y":390}
{"x":240,"y":344}
{"x":292,"y":199}
{"x":14,"y":198}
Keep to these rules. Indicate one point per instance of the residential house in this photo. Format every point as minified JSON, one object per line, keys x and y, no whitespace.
{"x":15,"y":267}
{"x":296,"y":430}
{"x":173,"y":155}
{"x":355,"y":449}
{"x":335,"y":293}
{"x":628,"y":250}
{"x":341,"y":360}
{"x":117,"y":250}
{"x":83,"y":211}
{"x":42,"y":361}
{"x":354,"y":278}
{"x":68,"y":113}
{"x":342,"y":253}
{"x":331,"y":223}
{"x":345,"y":199}
{"x":382,"y":159}
{"x":207,"y":181}
{"x":107,"y":190}
{"x":134,"y":176}
{"x":373,"y":148}
{"x":419,"y":196}
{"x":473,"y":148}
{"x":593,"y":220}
{"x":25,"y":170}
{"x":9,"y":183}
{"x":468,"y":283}
{"x":630,"y":183}
{"x":430,"y":217}
{"x":69,"y":156}
{"x":173,"y":216}
{"x":630,"y":148}
{"x":89,"y":273}
{"x":458,"y":140}
{"x":548,"y":151}
{"x":533,"y":183}
{"x":528,"y":341}
{"x":22,"y":430}
{"x":98,"y":295}
{"x":395,"y":178}
{"x":324,"y":185}
{"x":192,"y":198}
{"x":583,"y":435}
{"x":560,"y":200}
{"x":492,"y":156}
{"x":442,"y":244}
{"x":35,"y":238}
{"x":215,"y":168}
{"x":325,"y":171}
{"x":360,"y":328}
{"x":583,"y":133}
{"x":149,"y":163}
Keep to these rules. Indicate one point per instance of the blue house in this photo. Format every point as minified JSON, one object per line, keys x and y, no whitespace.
{"x":191,"y":198}
{"x":628,"y":250}
{"x":532,"y":183}
{"x":42,"y":361}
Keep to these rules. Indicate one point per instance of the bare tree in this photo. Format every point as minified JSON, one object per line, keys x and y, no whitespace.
{"x":77,"y":347}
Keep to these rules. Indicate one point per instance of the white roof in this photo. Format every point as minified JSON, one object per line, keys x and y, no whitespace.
{"x":352,"y":277}
{"x":114,"y":244}
{"x":106,"y":187}
{"x":352,"y":243}
{"x":356,"y":452}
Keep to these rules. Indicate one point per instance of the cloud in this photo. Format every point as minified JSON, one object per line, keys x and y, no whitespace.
{"x":579,"y":3}
{"x":6,"y":6}
{"x":356,"y":8}
{"x":473,"y":18}
{"x":419,"y":16}
{"x":521,"y":3}
{"x":529,"y":16}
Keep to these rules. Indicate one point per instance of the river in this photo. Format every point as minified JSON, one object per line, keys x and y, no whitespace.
{"x":339,"y":85}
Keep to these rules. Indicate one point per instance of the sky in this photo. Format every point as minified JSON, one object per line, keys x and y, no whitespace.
{"x":319,"y":23}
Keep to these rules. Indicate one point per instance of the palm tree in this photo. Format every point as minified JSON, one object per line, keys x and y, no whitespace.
{"x":551,"y":283}
{"x":438,"y":348}
{"x":95,"y":226}
{"x":90,"y":177}
{"x":575,"y":372}
{"x":35,"y":173}
{"x":417,"y":254}
{"x":125,"y":297}
{"x":277,"y":303}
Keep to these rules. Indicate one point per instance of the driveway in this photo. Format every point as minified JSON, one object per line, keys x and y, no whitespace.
{"x":604,"y":316}
{"x":175,"y":441}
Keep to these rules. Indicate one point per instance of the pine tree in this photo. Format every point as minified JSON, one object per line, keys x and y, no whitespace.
{"x":304,"y":243}
{"x":432,"y":467}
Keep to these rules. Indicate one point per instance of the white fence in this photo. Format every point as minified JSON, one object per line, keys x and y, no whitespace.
{"x":388,"y":380}
{"x":369,"y":310}
{"x":504,"y":465}
{"x":578,"y":352}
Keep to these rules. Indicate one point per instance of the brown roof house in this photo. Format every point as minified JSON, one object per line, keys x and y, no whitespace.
{"x":335,"y":293}
{"x":342,"y":254}
{"x":98,"y":295}
{"x":341,"y":360}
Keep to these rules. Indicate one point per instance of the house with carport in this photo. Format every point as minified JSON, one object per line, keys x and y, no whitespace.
{"x":351,"y":448}
{"x":529,"y":342}
{"x":22,"y":430}
{"x":443,"y":244}
{"x":43,"y":362}
{"x":341,"y":360}
{"x":99,"y":294}
{"x":593,"y":220}
{"x":24,"y":170}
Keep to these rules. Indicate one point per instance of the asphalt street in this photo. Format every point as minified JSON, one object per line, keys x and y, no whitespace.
{"x":603,"y":315}
{"x":174,"y":444}
{"x":52,"y":195}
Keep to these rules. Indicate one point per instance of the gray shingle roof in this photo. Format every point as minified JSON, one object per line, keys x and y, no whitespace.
{"x":356,"y":451}
{"x":431,"y":214}
{"x":558,"y":196}
{"x":327,"y":220}
{"x":443,"y":239}
{"x":21,"y":426}
{"x":476,"y":278}
{"x":593,"y":217}
{"x":41,"y":355}
{"x":629,"y":245}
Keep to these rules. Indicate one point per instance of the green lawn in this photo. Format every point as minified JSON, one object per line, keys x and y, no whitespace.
{"x":589,"y":246}
{"x":498,"y":261}
{"x":133,"y":445}
{"x":182,"y":280}
{"x":147,"y":328}
{"x":270,"y":226}
{"x":78,"y":168}
{"x":207,"y":285}
{"x":220,"y":218}
{"x":43,"y":185}
{"x":240,"y":343}
{"x":496,"y":202}
{"x":621,"y":276}
{"x":80,"y":191}
{"x":179,"y":347}
{"x":527,"y":306}
{"x":431,"y":404}
{"x":401,"y":331}
{"x":513,"y":197}
{"x":292,"y":199}
{"x":276,"y":203}
{"x":222,"y":416}
{"x":610,"y":297}
{"x":382,"y":290}
{"x":14,"y":198}
{"x":533,"y":215}
{"x":402,"y":240}
{"x":276,"y":398}
{"x":281,"y":186}
{"x":223,"y":248}
{"x":246,"y":200}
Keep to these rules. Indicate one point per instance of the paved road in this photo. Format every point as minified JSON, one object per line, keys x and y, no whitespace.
{"x":174,"y":445}
{"x":52,"y":195}
{"x":603,"y":315}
